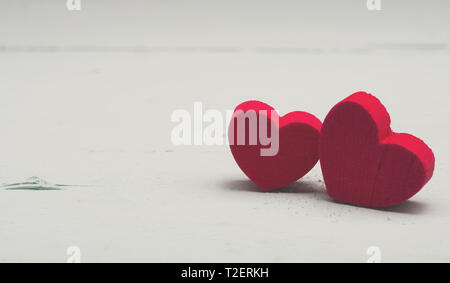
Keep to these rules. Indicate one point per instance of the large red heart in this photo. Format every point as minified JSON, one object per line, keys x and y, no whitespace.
{"x":297,"y":147}
{"x":364,"y":162}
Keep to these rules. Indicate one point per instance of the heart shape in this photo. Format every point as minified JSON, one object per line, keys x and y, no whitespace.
{"x":364,"y":162}
{"x":297,"y":152}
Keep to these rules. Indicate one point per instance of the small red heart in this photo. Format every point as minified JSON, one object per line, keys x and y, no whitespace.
{"x":297,"y":147}
{"x":364,"y":162}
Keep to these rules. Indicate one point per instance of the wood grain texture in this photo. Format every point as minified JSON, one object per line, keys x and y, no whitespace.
{"x":298,"y":147}
{"x":364,"y":162}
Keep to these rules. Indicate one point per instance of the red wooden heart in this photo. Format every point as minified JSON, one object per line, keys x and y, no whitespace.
{"x":297,"y":151}
{"x":364,"y":162}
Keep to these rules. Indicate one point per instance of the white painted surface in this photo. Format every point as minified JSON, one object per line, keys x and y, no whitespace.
{"x":86,"y":99}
